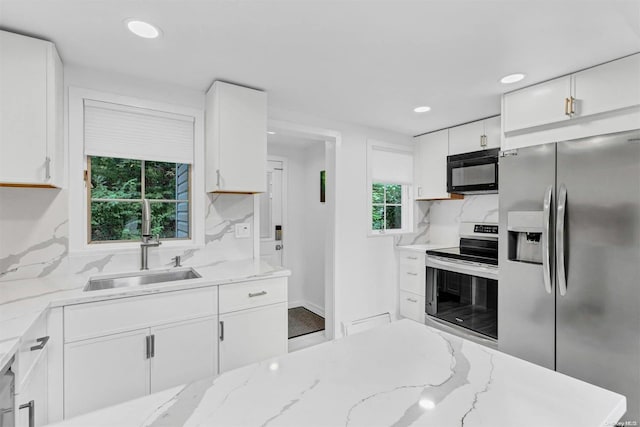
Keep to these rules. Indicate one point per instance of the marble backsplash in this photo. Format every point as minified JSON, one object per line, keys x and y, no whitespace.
{"x":439,"y":221}
{"x":34,"y":237}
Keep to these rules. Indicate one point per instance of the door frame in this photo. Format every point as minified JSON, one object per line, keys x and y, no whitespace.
{"x":285,"y":213}
{"x":332,"y":142}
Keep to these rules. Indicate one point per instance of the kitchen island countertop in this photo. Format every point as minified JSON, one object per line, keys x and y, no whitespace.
{"x":399,"y":374}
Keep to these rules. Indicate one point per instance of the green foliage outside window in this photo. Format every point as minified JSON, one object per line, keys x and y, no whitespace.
{"x":386,"y":201}
{"x":117,"y":189}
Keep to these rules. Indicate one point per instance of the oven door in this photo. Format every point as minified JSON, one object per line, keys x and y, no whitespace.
{"x":473,"y":173}
{"x":464,"y":296}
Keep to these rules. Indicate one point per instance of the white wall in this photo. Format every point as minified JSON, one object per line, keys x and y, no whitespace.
{"x":307,"y":222}
{"x":365,"y":270}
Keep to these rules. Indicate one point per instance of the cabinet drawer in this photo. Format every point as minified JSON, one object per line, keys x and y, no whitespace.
{"x":33,"y":343}
{"x":412,"y":306}
{"x":412,"y":279}
{"x":411,"y":258}
{"x":84,"y":321}
{"x":240,"y":296}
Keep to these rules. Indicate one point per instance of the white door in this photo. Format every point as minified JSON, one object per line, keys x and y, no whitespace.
{"x":252,"y":335}
{"x":272,"y":214}
{"x":183,"y":352}
{"x":104,"y":371}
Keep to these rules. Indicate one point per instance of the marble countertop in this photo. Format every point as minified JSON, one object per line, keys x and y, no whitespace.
{"x":400,"y":374}
{"x":23,"y":301}
{"x":426,"y":247}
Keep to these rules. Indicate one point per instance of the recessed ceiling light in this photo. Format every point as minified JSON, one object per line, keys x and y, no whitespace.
{"x":512,"y":78}
{"x":270,"y":132}
{"x":422,"y":109}
{"x":142,"y":29}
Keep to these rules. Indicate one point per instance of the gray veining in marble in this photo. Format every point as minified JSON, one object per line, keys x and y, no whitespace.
{"x":7,"y":263}
{"x":478,"y":393}
{"x":227,"y":227}
{"x":179,"y":408}
{"x":289,"y":405}
{"x":99,"y":264}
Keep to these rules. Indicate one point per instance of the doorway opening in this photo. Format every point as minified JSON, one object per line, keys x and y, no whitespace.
{"x":297,"y":227}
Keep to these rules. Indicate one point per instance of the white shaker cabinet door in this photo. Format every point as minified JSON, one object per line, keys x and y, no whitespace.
{"x":492,"y":132}
{"x":466,"y":138}
{"x":23,"y":109}
{"x":32,"y":400}
{"x":105,"y":371}
{"x":537,"y":105}
{"x":607,"y":87}
{"x":252,"y":335}
{"x":183,"y":352}
{"x":430,"y":165}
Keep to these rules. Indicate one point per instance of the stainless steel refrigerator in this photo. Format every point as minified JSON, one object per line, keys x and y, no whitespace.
{"x":569,"y":288}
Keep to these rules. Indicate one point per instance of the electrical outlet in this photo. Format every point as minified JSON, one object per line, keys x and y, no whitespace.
{"x":243,"y":231}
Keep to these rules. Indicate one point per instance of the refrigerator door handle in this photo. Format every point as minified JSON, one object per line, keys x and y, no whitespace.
{"x":560,"y":230}
{"x":546,"y":219}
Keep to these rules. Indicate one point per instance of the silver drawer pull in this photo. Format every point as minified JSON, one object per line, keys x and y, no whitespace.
{"x":257,"y":294}
{"x":412,"y":300}
{"x":412,"y":257}
{"x":43,"y":341}
{"x":412,"y":274}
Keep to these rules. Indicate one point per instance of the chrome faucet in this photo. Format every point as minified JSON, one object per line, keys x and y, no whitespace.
{"x":146,"y":235}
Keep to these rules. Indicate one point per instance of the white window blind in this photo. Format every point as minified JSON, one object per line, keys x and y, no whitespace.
{"x":391,"y":166}
{"x":113,"y":130}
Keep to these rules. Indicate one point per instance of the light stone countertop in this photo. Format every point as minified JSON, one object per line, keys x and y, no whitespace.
{"x":399,"y":374}
{"x":425,"y":247}
{"x":22,"y":302}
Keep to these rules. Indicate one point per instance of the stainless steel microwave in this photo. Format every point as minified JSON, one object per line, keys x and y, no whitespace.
{"x":473,"y":173}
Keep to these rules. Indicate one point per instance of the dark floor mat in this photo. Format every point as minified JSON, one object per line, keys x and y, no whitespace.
{"x":303,"y":322}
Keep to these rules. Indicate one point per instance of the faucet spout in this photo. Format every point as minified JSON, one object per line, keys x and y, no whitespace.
{"x":145,"y":237}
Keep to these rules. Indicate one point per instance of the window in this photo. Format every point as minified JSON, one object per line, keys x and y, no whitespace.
{"x":386,"y":201}
{"x":116,"y":192}
{"x":390,"y":175}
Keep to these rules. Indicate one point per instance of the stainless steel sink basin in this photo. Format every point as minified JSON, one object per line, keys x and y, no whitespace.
{"x":141,"y":278}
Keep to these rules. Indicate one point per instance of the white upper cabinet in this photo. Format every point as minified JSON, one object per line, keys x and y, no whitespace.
{"x":599,"y":100}
{"x":236,"y":139}
{"x":608,"y":87}
{"x":475,"y":136}
{"x":537,"y":105}
{"x":31,"y":97}
{"x":430,"y":166}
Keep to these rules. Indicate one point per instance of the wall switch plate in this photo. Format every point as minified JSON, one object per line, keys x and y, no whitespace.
{"x":243,"y":231}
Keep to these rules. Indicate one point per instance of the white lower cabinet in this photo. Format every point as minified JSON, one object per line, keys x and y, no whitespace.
{"x":412,"y":306}
{"x":183,"y":352}
{"x":251,"y":335}
{"x":32,"y":399}
{"x":104,"y":371}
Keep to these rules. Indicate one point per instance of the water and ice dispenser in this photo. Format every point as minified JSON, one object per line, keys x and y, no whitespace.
{"x":525,"y":236}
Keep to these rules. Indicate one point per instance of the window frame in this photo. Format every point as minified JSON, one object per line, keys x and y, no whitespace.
{"x":75,"y":181}
{"x":407,"y":205}
{"x":142,"y":193}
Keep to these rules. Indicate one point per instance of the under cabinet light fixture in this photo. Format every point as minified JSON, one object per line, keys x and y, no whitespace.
{"x":142,"y":29}
{"x":512,"y":78}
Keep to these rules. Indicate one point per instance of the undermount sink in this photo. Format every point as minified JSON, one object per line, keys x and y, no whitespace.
{"x":141,"y":278}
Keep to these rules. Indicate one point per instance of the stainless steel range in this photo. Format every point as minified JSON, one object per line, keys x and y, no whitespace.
{"x":462,"y":282}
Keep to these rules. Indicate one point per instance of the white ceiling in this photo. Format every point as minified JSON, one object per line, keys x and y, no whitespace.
{"x":366,"y":62}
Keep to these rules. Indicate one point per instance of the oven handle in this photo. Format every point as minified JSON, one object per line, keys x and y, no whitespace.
{"x":471,"y":270}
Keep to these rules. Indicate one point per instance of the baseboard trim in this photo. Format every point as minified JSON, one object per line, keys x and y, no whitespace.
{"x":308,"y":305}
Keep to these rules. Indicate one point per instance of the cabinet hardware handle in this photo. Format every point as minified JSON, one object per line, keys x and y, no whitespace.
{"x":42,"y":342}
{"x":222,"y":330}
{"x":412,"y":257}
{"x":419,"y":191}
{"x":218,"y":178}
{"x":153,"y":345}
{"x":47,"y":167}
{"x":31,"y":405}
{"x":257,"y":294}
{"x":148,"y":346}
{"x":412,"y":274}
{"x":566,"y":107}
{"x":572,"y":105}
{"x":483,"y":141}
{"x":459,"y":320}
{"x":412,"y":300}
